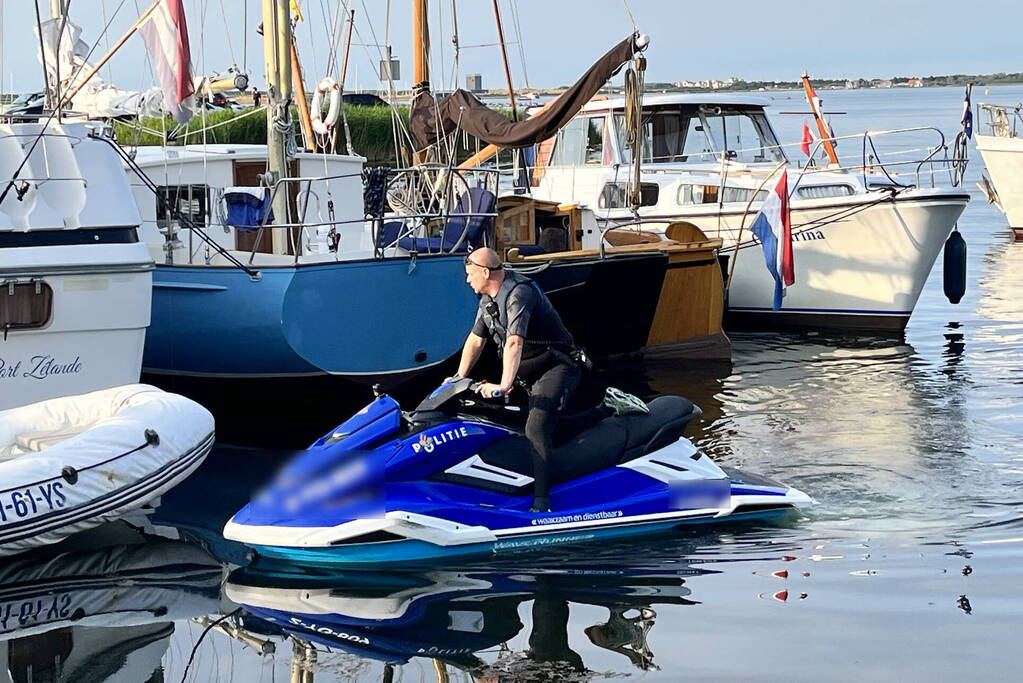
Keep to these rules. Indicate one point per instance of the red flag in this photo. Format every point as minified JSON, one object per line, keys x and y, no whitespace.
{"x":808,"y":139}
{"x":166,"y":36}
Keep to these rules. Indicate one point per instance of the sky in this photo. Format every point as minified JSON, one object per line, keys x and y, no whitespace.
{"x":560,"y":38}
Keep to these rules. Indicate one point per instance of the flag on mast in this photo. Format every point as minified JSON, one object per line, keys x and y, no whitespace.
{"x":807,"y":139}
{"x":165,"y":34}
{"x":967,"y":120}
{"x":774,"y":230}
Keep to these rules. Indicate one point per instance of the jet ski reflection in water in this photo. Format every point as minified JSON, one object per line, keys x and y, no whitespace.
{"x":453,"y":478}
{"x":455,"y":617}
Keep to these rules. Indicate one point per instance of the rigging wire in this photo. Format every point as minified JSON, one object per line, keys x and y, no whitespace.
{"x":42,"y":55}
{"x":518,"y":41}
{"x":440,"y":30}
{"x":106,"y":41}
{"x":227,"y":32}
{"x":3,"y":27}
{"x":456,"y":47}
{"x":632,"y":18}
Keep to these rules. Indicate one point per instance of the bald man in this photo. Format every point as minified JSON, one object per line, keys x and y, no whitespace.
{"x":534,"y":346}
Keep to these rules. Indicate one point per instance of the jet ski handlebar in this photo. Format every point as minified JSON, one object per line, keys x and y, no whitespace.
{"x":449,"y":390}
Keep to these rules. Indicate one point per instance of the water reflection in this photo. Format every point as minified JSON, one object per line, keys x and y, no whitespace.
{"x":100,"y":613}
{"x":458,"y":619}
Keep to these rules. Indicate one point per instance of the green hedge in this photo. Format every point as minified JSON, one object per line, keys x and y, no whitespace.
{"x":370,"y":129}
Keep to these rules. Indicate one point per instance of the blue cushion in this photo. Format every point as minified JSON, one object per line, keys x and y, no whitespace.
{"x":246,"y":212}
{"x":530,"y":249}
{"x":476,"y":201}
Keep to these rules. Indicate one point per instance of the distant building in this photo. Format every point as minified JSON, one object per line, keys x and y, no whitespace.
{"x":711,"y":84}
{"x":915,"y":83}
{"x":390,"y":71}
{"x":856,"y":83}
{"x":474,"y":82}
{"x":881,"y":83}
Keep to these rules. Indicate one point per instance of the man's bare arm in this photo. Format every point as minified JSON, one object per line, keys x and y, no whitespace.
{"x":470,"y":353}
{"x":510,"y":363}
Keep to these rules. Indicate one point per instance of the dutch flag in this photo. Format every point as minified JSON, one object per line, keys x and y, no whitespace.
{"x":773,"y":229}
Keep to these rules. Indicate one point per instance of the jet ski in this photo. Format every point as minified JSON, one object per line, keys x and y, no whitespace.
{"x":454,"y":478}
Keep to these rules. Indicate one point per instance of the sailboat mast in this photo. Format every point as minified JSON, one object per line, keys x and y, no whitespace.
{"x":420,"y":62}
{"x":504,"y":56}
{"x":420,"y":43}
{"x":58,"y":10}
{"x":277,"y":58}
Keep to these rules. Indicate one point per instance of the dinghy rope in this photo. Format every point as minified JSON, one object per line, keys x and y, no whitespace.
{"x":70,"y":474}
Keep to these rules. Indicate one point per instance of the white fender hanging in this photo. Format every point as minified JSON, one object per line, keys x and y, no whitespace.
{"x":323,"y":125}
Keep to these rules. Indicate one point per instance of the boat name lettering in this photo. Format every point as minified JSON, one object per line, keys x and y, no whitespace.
{"x":326,"y":630}
{"x":21,"y":613}
{"x":32,"y":501}
{"x":39,"y":367}
{"x":801,"y":236}
{"x":586,"y":517}
{"x":428,"y":443}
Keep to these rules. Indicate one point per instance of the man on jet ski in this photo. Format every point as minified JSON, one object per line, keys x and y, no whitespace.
{"x":534,"y":347}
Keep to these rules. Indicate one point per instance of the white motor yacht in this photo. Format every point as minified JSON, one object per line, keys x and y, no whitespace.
{"x":75,"y":281}
{"x":1002,"y":150}
{"x":865,"y":237}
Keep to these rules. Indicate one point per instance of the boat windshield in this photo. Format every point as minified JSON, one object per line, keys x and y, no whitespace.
{"x":699,"y":134}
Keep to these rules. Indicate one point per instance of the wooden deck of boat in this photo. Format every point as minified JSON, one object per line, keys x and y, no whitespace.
{"x":665,"y":246}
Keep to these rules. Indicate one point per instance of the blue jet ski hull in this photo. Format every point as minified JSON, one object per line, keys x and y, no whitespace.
{"x":414,"y":552}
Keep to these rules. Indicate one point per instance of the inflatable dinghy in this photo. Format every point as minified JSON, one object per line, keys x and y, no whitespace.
{"x":68,"y":464}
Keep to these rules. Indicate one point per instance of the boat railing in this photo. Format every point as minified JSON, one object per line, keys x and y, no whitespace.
{"x":421,"y":200}
{"x":873,"y":156}
{"x":925,"y":163}
{"x":73,"y":140}
{"x":1003,"y":121}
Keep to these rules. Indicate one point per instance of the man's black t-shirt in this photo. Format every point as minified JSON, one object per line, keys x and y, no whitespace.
{"x":520,"y":308}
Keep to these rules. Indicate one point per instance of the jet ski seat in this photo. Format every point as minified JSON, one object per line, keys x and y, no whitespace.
{"x":612,"y":441}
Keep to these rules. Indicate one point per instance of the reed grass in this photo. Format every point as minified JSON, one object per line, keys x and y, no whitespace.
{"x":370,"y":129}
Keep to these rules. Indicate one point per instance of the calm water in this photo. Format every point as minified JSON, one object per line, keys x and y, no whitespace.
{"x":909,"y":567}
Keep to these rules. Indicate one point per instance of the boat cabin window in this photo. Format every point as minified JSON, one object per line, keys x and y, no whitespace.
{"x":24,"y":305}
{"x":191,"y":201}
{"x":698,"y":134}
{"x":743,"y":135}
{"x":708,"y":194}
{"x":598,"y":148}
{"x":616,"y":195}
{"x":582,"y":141}
{"x":570,"y":148}
{"x":825,"y":191}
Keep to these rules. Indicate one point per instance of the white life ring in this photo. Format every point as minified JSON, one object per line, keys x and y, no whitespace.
{"x":321,"y":124}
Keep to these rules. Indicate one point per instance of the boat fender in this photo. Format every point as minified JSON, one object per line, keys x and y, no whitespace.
{"x":321,"y":124}
{"x":955,"y":267}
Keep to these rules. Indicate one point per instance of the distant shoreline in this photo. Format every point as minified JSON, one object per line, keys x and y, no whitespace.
{"x":740,"y":85}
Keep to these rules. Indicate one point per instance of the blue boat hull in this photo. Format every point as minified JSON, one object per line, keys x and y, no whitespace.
{"x":362,"y":319}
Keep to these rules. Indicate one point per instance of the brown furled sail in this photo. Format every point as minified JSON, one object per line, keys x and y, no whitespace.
{"x":462,"y":110}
